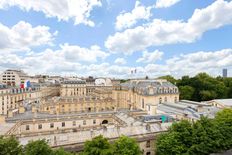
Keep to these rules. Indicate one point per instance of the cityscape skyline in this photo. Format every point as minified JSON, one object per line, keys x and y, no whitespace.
{"x":133,"y":75}
{"x":112,"y":38}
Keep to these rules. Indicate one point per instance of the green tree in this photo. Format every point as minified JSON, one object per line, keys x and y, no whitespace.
{"x":123,"y":80}
{"x":176,"y":141}
{"x":204,"y":87}
{"x":169,"y":78}
{"x":202,"y":137}
{"x":168,"y":144}
{"x":38,"y":147}
{"x":186,"y":92}
{"x":10,"y":146}
{"x":223,"y":121}
{"x":206,"y":95}
{"x":98,"y":146}
{"x":61,"y":151}
{"x":206,"y":138}
{"x":126,"y":146}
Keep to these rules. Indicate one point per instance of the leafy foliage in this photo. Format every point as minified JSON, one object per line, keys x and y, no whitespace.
{"x":202,"y":137}
{"x":202,"y":87}
{"x":61,"y":151}
{"x":126,"y":146}
{"x":37,"y":148}
{"x":98,"y":146}
{"x":10,"y":146}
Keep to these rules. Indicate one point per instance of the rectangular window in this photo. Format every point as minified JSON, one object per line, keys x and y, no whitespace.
{"x":27,"y":127}
{"x":74,"y":123}
{"x":63,"y":124}
{"x":94,"y":121}
{"x":142,"y":103}
{"x":148,"y":144}
{"x":40,"y":126}
{"x":84,"y":122}
{"x":52,"y":125}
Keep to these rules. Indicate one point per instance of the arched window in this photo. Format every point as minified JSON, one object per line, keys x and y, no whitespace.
{"x":148,"y":153}
{"x":105,"y":122}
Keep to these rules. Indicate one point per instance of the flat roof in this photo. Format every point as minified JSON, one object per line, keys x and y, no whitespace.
{"x":225,"y":102}
{"x":193,"y":103}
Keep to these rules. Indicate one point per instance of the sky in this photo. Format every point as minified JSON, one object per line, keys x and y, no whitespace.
{"x":112,"y":38}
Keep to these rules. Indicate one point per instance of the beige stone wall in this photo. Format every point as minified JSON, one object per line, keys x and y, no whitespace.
{"x":73,"y":90}
{"x":133,"y":100}
{"x":71,"y":106}
{"x":30,"y":127}
{"x":216,"y":104}
{"x":147,"y":147}
{"x":10,"y":101}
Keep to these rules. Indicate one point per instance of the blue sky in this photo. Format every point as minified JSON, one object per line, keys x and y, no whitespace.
{"x":112,"y":37}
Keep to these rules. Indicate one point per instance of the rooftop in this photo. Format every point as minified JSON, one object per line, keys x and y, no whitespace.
{"x":225,"y":102}
{"x":74,"y":82}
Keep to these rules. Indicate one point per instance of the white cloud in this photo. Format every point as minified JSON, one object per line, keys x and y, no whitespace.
{"x":193,"y":63}
{"x":54,"y":62}
{"x":67,"y":59}
{"x":151,"y":57}
{"x":76,"y":53}
{"x":128,"y":19}
{"x":120,"y":61}
{"x":165,"y":3}
{"x":23,"y":36}
{"x":78,"y":10}
{"x":160,"y":32}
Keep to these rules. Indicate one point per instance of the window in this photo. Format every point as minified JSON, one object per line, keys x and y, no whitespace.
{"x":165,"y":99}
{"x":94,"y":121}
{"x":40,"y":126}
{"x":148,"y":144}
{"x":149,"y":108}
{"x":148,"y":153}
{"x":175,"y":99}
{"x":27,"y":127}
{"x":160,"y":100}
{"x":52,"y":125}
{"x":63,"y":124}
{"x":142,"y":103}
{"x":84,"y":122}
{"x":74,"y":123}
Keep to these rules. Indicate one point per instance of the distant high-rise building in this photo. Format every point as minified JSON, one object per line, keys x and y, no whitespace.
{"x":224,"y":73}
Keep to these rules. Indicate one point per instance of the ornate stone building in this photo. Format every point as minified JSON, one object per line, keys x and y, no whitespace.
{"x":145,"y":94}
{"x":12,"y":99}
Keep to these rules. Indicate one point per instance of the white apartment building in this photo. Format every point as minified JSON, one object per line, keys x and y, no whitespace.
{"x":12,"y":77}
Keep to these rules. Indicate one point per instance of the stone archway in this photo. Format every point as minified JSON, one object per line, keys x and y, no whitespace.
{"x":105,"y":121}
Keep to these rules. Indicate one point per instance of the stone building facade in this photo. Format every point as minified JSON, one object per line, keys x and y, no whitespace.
{"x":14,"y":78}
{"x":145,"y":94}
{"x":12,"y":98}
{"x":76,"y":105}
